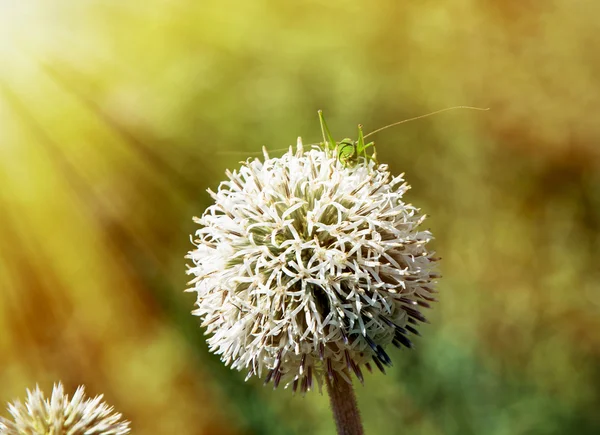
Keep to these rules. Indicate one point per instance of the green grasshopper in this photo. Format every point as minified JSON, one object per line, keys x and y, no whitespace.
{"x":350,"y":152}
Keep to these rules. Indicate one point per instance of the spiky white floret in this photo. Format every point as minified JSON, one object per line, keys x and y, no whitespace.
{"x":61,"y":416}
{"x":305,"y":266}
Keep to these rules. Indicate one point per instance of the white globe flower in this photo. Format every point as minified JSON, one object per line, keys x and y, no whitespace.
{"x":61,"y":416}
{"x":307,"y":267}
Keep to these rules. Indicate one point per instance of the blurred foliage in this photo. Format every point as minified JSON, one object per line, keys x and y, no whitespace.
{"x":115,"y":116}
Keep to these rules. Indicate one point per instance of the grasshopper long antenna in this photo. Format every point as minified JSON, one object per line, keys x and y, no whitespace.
{"x":424,"y":116}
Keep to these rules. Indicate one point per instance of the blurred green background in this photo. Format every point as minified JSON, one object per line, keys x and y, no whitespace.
{"x":116,"y":116}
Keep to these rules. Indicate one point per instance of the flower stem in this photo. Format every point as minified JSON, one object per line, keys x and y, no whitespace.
{"x":344,"y":407}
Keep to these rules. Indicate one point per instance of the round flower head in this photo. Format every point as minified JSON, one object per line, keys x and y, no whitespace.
{"x":61,"y":416}
{"x":306,"y":266}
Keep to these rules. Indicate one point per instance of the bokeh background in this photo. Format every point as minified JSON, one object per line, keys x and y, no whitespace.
{"x":116,"y":116}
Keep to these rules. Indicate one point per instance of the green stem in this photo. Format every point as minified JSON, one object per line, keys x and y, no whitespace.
{"x":344,"y":407}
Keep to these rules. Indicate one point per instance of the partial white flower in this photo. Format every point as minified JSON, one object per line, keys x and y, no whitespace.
{"x":306,"y":267}
{"x":61,"y":416}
